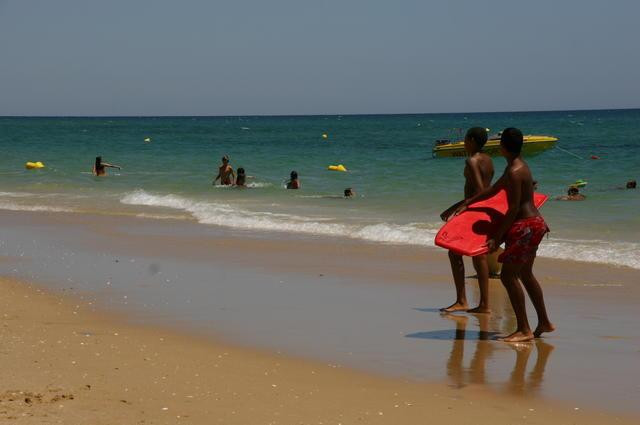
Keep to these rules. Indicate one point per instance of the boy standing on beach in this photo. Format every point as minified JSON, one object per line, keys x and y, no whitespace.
{"x":522,"y":230}
{"x":478,"y":172}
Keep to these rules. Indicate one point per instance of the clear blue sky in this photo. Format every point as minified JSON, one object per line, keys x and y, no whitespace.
{"x":239,"y":57}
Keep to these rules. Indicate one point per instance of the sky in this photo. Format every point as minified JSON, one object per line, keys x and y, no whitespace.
{"x":298,"y":57}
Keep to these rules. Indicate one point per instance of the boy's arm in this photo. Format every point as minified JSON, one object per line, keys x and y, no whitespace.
{"x":106,"y":164}
{"x":216,"y":179}
{"x":514,"y":195}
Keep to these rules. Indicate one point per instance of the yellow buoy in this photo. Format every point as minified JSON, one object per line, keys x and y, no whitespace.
{"x":325,"y":136}
{"x":337,"y":168}
{"x":33,"y":165}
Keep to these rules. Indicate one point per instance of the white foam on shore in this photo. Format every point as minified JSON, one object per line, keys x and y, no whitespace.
{"x":220,"y":214}
{"x":592,"y":251}
{"x":226,"y":215}
{"x":16,"y":194}
{"x":17,"y":207}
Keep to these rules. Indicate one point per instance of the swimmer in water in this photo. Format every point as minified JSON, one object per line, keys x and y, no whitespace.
{"x":349,"y":193}
{"x":241,"y":178}
{"x":293,"y":182}
{"x":573,"y":194}
{"x":225,"y":173}
{"x":100,"y":168}
{"x":631,"y":184}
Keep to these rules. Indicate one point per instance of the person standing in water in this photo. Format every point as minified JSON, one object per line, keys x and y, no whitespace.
{"x":293,"y":182}
{"x":478,"y":173}
{"x":100,"y":168}
{"x":522,"y":230}
{"x":225,"y":173}
{"x":241,"y":178}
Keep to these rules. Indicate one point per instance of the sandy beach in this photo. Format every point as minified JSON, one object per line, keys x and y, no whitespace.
{"x":65,"y":363}
{"x":127,"y":320}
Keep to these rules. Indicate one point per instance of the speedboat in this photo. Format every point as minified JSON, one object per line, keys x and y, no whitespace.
{"x":533,"y":144}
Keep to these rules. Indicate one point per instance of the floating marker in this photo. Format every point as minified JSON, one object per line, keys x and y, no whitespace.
{"x":33,"y":165}
{"x":147,"y":139}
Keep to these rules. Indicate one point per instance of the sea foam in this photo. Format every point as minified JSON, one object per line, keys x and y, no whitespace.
{"x":223,"y":214}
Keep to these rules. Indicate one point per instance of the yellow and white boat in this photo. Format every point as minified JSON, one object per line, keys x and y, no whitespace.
{"x":533,"y":144}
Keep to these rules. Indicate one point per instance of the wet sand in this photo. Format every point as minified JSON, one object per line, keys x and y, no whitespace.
{"x":62,"y":362}
{"x":360,"y":306}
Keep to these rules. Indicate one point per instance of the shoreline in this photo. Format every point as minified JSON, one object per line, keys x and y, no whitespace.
{"x":64,"y":361}
{"x":273,"y":292}
{"x":178,"y":219}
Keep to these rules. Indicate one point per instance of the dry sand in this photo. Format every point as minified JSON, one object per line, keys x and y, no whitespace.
{"x":63,"y":362}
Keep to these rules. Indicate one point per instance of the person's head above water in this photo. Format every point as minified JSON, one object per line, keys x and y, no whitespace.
{"x":225,"y":159}
{"x":241,"y":172}
{"x":476,"y":135}
{"x":631,"y":184}
{"x":294,"y":175}
{"x":511,"y":140}
{"x":573,"y":191}
{"x":348,"y":192}
{"x":98,"y":161}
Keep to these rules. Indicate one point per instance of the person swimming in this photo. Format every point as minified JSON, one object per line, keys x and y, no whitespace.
{"x":100,"y":168}
{"x":349,"y":193}
{"x":631,"y":184}
{"x":573,"y":194}
{"x":241,"y":178}
{"x":293,"y":182}
{"x":225,"y":173}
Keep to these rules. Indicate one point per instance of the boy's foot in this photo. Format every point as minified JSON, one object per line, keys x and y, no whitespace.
{"x":479,"y":310}
{"x":518,"y":336}
{"x":542,"y":328}
{"x":455,"y":307}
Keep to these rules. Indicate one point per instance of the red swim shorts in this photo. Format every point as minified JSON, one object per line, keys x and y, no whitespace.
{"x":522,"y":240}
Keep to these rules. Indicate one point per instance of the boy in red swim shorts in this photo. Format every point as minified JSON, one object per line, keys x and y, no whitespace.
{"x":522,"y":230}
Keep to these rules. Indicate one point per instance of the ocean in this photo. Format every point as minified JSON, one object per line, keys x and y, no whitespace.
{"x":400,"y":188}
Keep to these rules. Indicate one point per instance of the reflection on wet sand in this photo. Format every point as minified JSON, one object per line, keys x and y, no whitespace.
{"x":486,"y":347}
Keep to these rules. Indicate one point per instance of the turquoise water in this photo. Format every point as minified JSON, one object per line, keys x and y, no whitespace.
{"x":400,"y":188}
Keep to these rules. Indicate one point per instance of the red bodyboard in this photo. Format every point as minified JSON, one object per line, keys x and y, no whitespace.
{"x":467,"y":233}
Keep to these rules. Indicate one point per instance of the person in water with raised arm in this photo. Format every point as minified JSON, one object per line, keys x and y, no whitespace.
{"x":225,"y":173}
{"x":522,"y":229}
{"x":100,"y":168}
{"x":478,"y":172}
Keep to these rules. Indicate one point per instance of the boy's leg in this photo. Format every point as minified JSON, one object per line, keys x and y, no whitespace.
{"x":509,"y":278}
{"x":457,"y":269}
{"x":535,"y":293}
{"x":481,"y":265}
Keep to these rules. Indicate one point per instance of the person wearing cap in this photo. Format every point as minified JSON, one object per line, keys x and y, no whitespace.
{"x":225,"y":173}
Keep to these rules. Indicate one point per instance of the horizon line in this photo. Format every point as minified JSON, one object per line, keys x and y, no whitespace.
{"x":326,"y":115}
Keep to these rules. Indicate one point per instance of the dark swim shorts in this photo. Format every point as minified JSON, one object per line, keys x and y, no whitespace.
{"x":522,"y":240}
